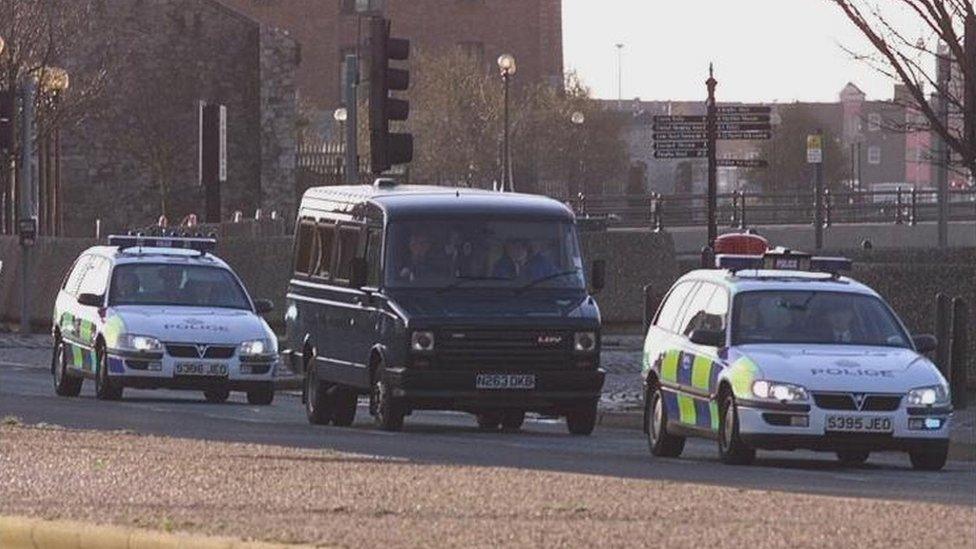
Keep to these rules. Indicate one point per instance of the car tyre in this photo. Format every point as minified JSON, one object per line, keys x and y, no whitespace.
{"x":318,"y":400}
{"x":660,"y":442}
{"x":344,"y":401}
{"x":65,"y":383}
{"x":489,"y":421}
{"x":731,"y":449}
{"x":512,"y":420}
{"x":263,"y":396}
{"x":929,"y":460}
{"x":388,"y":410}
{"x":853,"y":458}
{"x":217,"y":396}
{"x":105,"y":387}
{"x":581,"y":420}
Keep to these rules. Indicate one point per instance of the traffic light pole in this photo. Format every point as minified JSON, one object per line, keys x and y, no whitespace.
{"x":818,"y":190}
{"x":27,"y":218}
{"x":943,"y":69}
{"x":711,"y":125}
{"x":352,"y":120}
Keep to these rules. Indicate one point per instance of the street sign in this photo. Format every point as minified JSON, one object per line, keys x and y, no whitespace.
{"x":679,"y":118}
{"x":744,"y":118}
{"x":741,"y":163}
{"x":814,"y":149}
{"x":681,"y":154}
{"x":680,"y":145}
{"x":743,"y":109}
{"x":745,"y":136}
{"x":736,"y":127}
{"x":679,"y":127}
{"x":679,"y":136}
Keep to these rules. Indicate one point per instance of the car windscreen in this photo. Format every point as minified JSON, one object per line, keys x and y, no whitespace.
{"x":173,"y":284}
{"x":483,"y":252}
{"x":816,"y":317}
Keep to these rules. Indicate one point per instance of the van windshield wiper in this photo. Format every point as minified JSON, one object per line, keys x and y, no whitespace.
{"x":548,"y":277}
{"x":459,"y":281}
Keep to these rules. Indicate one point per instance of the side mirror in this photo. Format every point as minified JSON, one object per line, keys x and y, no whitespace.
{"x":357,"y":272}
{"x":925,"y":343}
{"x":710,"y":338}
{"x":598,"y":275}
{"x":90,"y":300}
{"x":263,"y":306}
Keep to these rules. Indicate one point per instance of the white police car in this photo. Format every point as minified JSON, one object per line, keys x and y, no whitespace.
{"x":779,"y":352}
{"x":160,"y":312}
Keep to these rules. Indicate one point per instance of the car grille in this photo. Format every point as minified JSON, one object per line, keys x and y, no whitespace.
{"x":846,"y":401}
{"x":214,"y":352}
{"x":537,"y":349}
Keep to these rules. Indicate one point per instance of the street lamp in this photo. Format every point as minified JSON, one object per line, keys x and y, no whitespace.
{"x":507,"y":67}
{"x":54,"y":80}
{"x":578,"y":119}
{"x":1,"y":44}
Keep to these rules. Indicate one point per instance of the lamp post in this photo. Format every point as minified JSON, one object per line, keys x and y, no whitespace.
{"x":340,"y":115}
{"x":54,"y":81}
{"x":507,"y":68}
{"x":578,"y":119}
{"x":620,"y":75}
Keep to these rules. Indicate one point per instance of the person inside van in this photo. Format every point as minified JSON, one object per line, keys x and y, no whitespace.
{"x":540,"y":264}
{"x":514,"y":263}
{"x":420,"y":263}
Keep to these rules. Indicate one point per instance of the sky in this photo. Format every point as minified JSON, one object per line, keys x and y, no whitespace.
{"x":763,"y":50}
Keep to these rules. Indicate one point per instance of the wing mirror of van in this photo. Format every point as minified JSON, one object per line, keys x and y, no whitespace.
{"x":90,"y":300}
{"x":357,"y":272}
{"x":598,"y":275}
{"x":925,"y":343}
{"x":263,"y":306}
{"x":710,"y":338}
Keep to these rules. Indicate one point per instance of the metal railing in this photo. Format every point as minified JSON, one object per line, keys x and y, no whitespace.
{"x":741,"y":209}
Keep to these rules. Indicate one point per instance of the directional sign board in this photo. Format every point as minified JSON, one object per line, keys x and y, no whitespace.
{"x":681,"y":154}
{"x":743,"y":109}
{"x":741,"y":163}
{"x":679,"y":127}
{"x":680,"y":136}
{"x":745,"y":136}
{"x":735,"y":127}
{"x":679,"y":118}
{"x":744,"y":118}
{"x":680,"y":145}
{"x":814,"y":149}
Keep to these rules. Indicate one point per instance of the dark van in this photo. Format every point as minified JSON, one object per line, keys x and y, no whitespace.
{"x":435,"y":298}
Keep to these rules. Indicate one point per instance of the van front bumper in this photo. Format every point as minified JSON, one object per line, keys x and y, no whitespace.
{"x":554,"y":392}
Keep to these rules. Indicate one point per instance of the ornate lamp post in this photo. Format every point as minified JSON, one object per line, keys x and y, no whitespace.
{"x":578,"y":119}
{"x":507,"y":68}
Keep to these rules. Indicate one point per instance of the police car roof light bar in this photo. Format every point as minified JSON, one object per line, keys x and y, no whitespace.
{"x":202,"y":245}
{"x":832,"y":265}
{"x":734,"y":262}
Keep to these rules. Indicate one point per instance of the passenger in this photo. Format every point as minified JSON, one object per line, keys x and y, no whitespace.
{"x":420,"y":264}
{"x":126,"y":287}
{"x":540,"y":266}
{"x":514,"y":264}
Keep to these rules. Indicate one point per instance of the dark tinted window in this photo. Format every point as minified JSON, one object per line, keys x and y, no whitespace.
{"x":667,"y":317}
{"x":348,"y":250}
{"x":326,"y":246}
{"x":374,"y":256}
{"x":305,"y":241}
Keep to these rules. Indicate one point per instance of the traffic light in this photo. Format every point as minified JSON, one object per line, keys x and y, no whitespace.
{"x":387,"y":149}
{"x":8,"y":111}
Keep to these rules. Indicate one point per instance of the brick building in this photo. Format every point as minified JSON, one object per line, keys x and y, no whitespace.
{"x":531,"y":30}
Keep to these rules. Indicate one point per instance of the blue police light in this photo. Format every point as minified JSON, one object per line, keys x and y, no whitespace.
{"x":200,"y":244}
{"x":738,"y":262}
{"x":831,"y":265}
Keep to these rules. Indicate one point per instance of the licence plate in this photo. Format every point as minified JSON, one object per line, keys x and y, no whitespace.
{"x":505,"y":381}
{"x":209,"y":369}
{"x":859,"y":424}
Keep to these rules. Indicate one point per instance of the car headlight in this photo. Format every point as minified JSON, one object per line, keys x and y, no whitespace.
{"x":139,"y":343}
{"x":584,"y":342}
{"x":257,"y":347}
{"x":773,"y":390}
{"x":927,"y":396}
{"x":422,"y":341}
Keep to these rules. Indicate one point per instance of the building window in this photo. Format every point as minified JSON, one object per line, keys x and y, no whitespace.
{"x":475,"y":51}
{"x":874,"y":155}
{"x":874,"y":122}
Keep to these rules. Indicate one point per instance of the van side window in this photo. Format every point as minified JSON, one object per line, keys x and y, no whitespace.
{"x":73,"y":279}
{"x":668,"y":315}
{"x":348,"y":249}
{"x":374,"y":256}
{"x":694,"y":317}
{"x":326,"y":245}
{"x":304,"y":241}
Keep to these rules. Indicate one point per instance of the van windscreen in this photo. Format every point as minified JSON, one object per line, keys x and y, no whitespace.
{"x":483,"y":252}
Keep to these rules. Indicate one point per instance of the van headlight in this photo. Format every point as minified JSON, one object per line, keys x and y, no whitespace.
{"x":928,"y":396}
{"x":257,"y":347}
{"x":783,"y":392}
{"x":139,"y":344}
{"x":584,"y":342}
{"x":422,"y":341}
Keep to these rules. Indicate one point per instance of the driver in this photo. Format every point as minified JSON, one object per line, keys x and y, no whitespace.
{"x":514,"y":263}
{"x":172,"y":278}
{"x":126,"y":286}
{"x":420,"y":263}
{"x":840,"y":321}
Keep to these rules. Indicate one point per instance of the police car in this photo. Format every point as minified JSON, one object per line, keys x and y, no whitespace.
{"x":780,"y":352}
{"x":148,"y":313}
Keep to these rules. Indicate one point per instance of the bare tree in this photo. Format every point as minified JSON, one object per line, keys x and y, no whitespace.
{"x":907,"y":59}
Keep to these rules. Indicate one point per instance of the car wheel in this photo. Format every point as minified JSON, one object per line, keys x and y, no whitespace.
{"x":512,"y":420}
{"x":731,"y":449}
{"x":929,"y":460}
{"x":489,"y":421}
{"x":660,"y":442}
{"x":105,"y":387}
{"x":216,"y":396}
{"x":65,"y":384}
{"x":389,"y":411}
{"x":344,"y":401}
{"x":261,"y":397}
{"x":853,"y":458}
{"x":318,"y":401}
{"x":581,"y":420}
